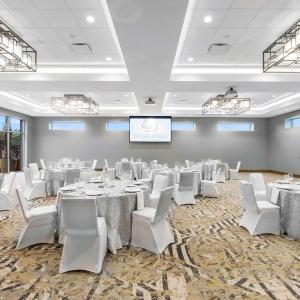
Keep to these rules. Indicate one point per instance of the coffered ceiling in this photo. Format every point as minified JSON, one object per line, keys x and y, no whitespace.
{"x":141,"y":48}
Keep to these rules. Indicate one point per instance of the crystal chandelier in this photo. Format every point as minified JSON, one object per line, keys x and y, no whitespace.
{"x":229,"y":103}
{"x":15,"y":54}
{"x":284,"y":54}
{"x":75,"y":104}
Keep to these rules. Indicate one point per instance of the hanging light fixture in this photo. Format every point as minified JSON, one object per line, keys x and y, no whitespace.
{"x":229,"y":103}
{"x":75,"y":104}
{"x":284,"y":54}
{"x":15,"y":54}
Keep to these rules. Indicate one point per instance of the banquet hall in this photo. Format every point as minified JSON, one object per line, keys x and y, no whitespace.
{"x":149,"y":149}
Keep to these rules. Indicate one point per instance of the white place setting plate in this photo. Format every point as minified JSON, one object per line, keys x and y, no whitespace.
{"x":94,"y":192}
{"x":96,"y":180}
{"x":68,"y":188}
{"x":132,"y":189}
{"x":130,"y":185}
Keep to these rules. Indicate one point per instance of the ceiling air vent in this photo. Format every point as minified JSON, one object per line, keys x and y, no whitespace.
{"x":81,"y":48}
{"x":218,"y":49}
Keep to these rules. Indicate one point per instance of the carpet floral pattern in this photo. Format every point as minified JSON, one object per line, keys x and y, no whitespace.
{"x":212,"y":258}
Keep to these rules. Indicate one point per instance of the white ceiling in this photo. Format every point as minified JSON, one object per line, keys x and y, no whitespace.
{"x":149,"y":43}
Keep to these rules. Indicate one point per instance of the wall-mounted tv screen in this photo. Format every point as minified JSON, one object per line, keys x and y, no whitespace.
{"x":150,"y":129}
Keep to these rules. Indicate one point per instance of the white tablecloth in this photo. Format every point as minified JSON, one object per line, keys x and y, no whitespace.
{"x":289,"y":203}
{"x":207,"y":170}
{"x":116,"y":207}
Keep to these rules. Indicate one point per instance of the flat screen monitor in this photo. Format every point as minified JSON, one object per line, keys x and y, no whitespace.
{"x":150,"y":129}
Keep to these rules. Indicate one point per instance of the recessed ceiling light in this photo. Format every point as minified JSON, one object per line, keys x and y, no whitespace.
{"x":207,"y":19}
{"x":90,"y":19}
{"x":190,"y":59}
{"x":108,"y":58}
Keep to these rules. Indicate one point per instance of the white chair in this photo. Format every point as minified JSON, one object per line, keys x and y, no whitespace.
{"x":94,"y":164}
{"x":33,"y":188}
{"x":222,"y":175}
{"x":259,"y":186}
{"x":126,"y":172}
{"x":150,"y":227}
{"x":160,"y":183}
{"x":71,"y":176}
{"x":35,"y":172}
{"x":110,"y":171}
{"x":40,"y":223}
{"x":184,"y":191}
{"x":124,"y":159}
{"x":209,"y":187}
{"x":187,"y":164}
{"x":5,"y":201}
{"x":85,"y":241}
{"x":43,"y":165}
{"x":259,"y":216}
{"x":234,"y":173}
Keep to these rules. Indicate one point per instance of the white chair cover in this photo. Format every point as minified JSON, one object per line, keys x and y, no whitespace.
{"x":160,"y":183}
{"x":258,"y":183}
{"x":234,"y":173}
{"x":126,"y":172}
{"x":85,"y":242}
{"x":94,"y":164}
{"x":209,"y":187}
{"x":5,"y":201}
{"x":43,"y":165}
{"x":33,"y":189}
{"x":35,"y":172}
{"x":184,"y":191}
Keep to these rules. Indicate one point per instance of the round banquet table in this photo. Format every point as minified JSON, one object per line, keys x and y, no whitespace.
{"x":115,"y":205}
{"x":136,"y":166}
{"x":207,"y":170}
{"x":287,"y":197}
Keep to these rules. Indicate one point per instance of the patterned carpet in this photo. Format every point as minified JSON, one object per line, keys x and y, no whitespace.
{"x":212,"y":258}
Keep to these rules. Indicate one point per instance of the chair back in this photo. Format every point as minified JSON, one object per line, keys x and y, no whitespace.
{"x":187,"y":164}
{"x":94,"y":164}
{"x":106,"y":164}
{"x":160,"y":183}
{"x":71,"y":175}
{"x":186,"y":181}
{"x":28,"y":178}
{"x":7,"y":182}
{"x":43,"y":165}
{"x":22,"y":202}
{"x":216,"y":175}
{"x":35,"y":172}
{"x":238,"y":166}
{"x":124,"y":159}
{"x":80,"y":217}
{"x":249,"y":197}
{"x":258,"y":182}
{"x":126,"y":167}
{"x":164,"y":203}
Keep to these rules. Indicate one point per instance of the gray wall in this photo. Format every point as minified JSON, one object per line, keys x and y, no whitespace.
{"x":28,"y":131}
{"x":249,"y":147}
{"x":284,"y":145}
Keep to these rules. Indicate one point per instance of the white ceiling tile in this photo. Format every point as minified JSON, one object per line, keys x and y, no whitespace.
{"x":59,"y":18}
{"x":216,"y":14}
{"x":81,"y":15}
{"x":248,"y":4}
{"x":278,"y":3}
{"x":16,"y":4}
{"x":195,"y":48}
{"x":200,"y":35}
{"x":228,"y":36}
{"x":98,"y":35}
{"x":238,"y":18}
{"x":86,"y":4}
{"x":107,"y":49}
{"x":214,"y":4}
{"x":70,"y":36}
{"x":52,"y":4}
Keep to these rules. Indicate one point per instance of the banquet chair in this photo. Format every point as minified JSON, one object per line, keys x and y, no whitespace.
{"x":35,"y":172}
{"x":110,"y":171}
{"x":209,"y":187}
{"x":43,"y":171}
{"x":234,"y":173}
{"x":222,"y":175}
{"x":259,"y":186}
{"x":40,"y":223}
{"x":71,"y":176}
{"x":160,"y":183}
{"x":187,"y":164}
{"x":259,"y":216}
{"x":150,"y":227}
{"x":124,"y":159}
{"x":94,"y":164}
{"x":184,"y":191}
{"x":85,"y":241}
{"x":5,"y":201}
{"x":43,"y":165}
{"x":126,"y":172}
{"x":33,"y":188}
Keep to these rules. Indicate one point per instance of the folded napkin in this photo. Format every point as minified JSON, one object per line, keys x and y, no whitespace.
{"x":274,"y":195}
{"x":140,"y":200}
